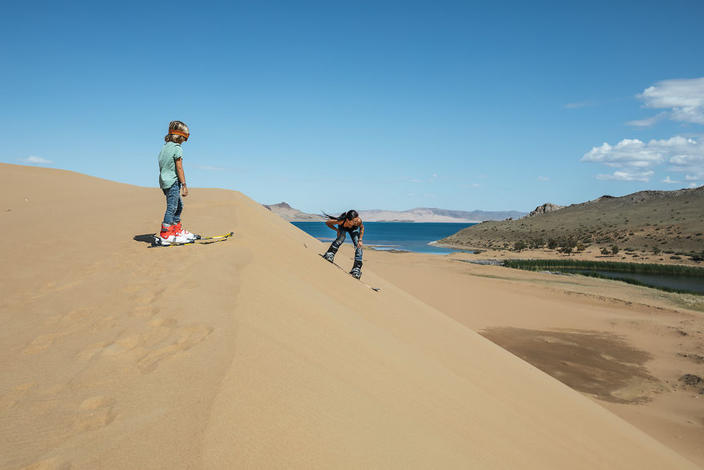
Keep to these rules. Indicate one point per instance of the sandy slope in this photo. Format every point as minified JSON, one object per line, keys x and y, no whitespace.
{"x":251,"y":353}
{"x":625,"y":346}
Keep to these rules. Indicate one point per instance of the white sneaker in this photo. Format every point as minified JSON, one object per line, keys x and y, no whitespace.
{"x":178,"y":228}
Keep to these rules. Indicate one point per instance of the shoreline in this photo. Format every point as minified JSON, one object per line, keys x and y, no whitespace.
{"x":588,"y":254}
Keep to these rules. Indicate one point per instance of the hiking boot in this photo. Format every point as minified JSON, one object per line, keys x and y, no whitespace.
{"x":329,"y":256}
{"x":182,"y":231}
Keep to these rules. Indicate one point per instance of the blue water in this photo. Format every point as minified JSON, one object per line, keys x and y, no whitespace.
{"x":670,"y":281}
{"x":403,"y":236}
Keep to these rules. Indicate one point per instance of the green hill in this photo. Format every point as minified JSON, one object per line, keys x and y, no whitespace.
{"x":660,"y":221}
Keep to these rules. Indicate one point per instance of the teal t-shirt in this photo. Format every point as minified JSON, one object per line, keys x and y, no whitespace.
{"x":170,"y":152}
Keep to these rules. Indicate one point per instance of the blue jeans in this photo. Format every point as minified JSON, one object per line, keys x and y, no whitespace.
{"x":174,"y":206}
{"x":354,"y":235}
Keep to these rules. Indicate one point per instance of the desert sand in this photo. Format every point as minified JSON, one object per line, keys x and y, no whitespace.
{"x":625,"y":346}
{"x":255,"y":353}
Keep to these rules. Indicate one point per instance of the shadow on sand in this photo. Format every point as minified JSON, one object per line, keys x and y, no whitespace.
{"x":145,"y":238}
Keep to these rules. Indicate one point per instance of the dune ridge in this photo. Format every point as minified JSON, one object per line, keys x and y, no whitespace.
{"x":252,"y":352}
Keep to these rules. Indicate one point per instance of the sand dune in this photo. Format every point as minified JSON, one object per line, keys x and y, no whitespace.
{"x":625,"y":346}
{"x":251,"y":353}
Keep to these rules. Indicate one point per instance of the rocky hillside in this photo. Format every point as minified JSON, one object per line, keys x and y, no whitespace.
{"x":667,"y":221}
{"x":292,"y":215}
{"x":544,"y":209}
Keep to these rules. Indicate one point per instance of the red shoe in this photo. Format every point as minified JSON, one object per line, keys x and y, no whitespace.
{"x":169,"y":235}
{"x":179,"y":230}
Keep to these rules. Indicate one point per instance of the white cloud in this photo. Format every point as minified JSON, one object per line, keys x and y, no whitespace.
{"x":579,"y":104}
{"x":689,"y":162}
{"x":628,"y":175}
{"x":684,"y":98}
{"x":627,"y":153}
{"x":669,"y":180}
{"x":543,"y":178}
{"x":429,"y":179}
{"x":34,"y":160}
{"x":647,"y":122}
{"x":635,"y":158}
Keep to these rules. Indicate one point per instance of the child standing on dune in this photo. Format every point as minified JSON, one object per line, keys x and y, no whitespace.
{"x":172,"y":181}
{"x":347,"y":222}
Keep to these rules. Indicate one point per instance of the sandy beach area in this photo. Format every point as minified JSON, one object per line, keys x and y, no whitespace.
{"x":255,"y":353}
{"x":625,"y":346}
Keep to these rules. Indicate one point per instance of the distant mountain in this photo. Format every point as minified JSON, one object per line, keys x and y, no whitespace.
{"x":292,"y":215}
{"x":421,"y":214}
{"x":646,"y":220}
{"x":430,"y":214}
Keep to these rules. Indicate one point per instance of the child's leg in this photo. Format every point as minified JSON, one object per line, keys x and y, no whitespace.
{"x":173,"y":197}
{"x":179,"y":206}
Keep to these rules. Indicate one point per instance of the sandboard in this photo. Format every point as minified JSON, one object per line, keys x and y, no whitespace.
{"x":375,"y":289}
{"x":205,"y":240}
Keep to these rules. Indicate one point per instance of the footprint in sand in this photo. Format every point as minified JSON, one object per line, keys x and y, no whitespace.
{"x":40,"y":343}
{"x":186,"y":338}
{"x":95,"y":413}
{"x":145,"y":311}
{"x":10,"y":399}
{"x":145,"y":305}
{"x":161,"y":340}
{"x":63,"y":324}
{"x":123,"y":344}
{"x":91,"y":351}
{"x":54,"y":463}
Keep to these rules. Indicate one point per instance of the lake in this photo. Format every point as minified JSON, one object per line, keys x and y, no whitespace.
{"x":404,"y":236}
{"x":691,"y":284}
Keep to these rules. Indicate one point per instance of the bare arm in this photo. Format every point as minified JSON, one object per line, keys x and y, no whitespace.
{"x":331,"y":224}
{"x":181,"y":177}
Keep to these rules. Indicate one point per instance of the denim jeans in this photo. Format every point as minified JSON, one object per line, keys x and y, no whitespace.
{"x":174,"y":206}
{"x":341,"y":235}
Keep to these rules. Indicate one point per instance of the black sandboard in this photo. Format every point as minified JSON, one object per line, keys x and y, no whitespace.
{"x":375,"y":289}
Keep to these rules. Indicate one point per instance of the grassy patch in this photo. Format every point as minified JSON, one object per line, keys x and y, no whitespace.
{"x":591,"y":267}
{"x":613,"y":266}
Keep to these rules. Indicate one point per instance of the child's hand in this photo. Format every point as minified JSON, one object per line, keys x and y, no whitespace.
{"x":184,"y":190}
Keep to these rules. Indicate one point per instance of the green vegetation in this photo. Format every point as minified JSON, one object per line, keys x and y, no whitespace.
{"x":613,"y":266}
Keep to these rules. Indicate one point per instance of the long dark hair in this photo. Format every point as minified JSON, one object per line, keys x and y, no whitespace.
{"x":349,"y":215}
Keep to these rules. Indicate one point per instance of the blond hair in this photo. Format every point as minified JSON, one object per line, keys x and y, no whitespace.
{"x":176,"y":126}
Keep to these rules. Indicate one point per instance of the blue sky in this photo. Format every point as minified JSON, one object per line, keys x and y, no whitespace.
{"x":366,"y":105}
